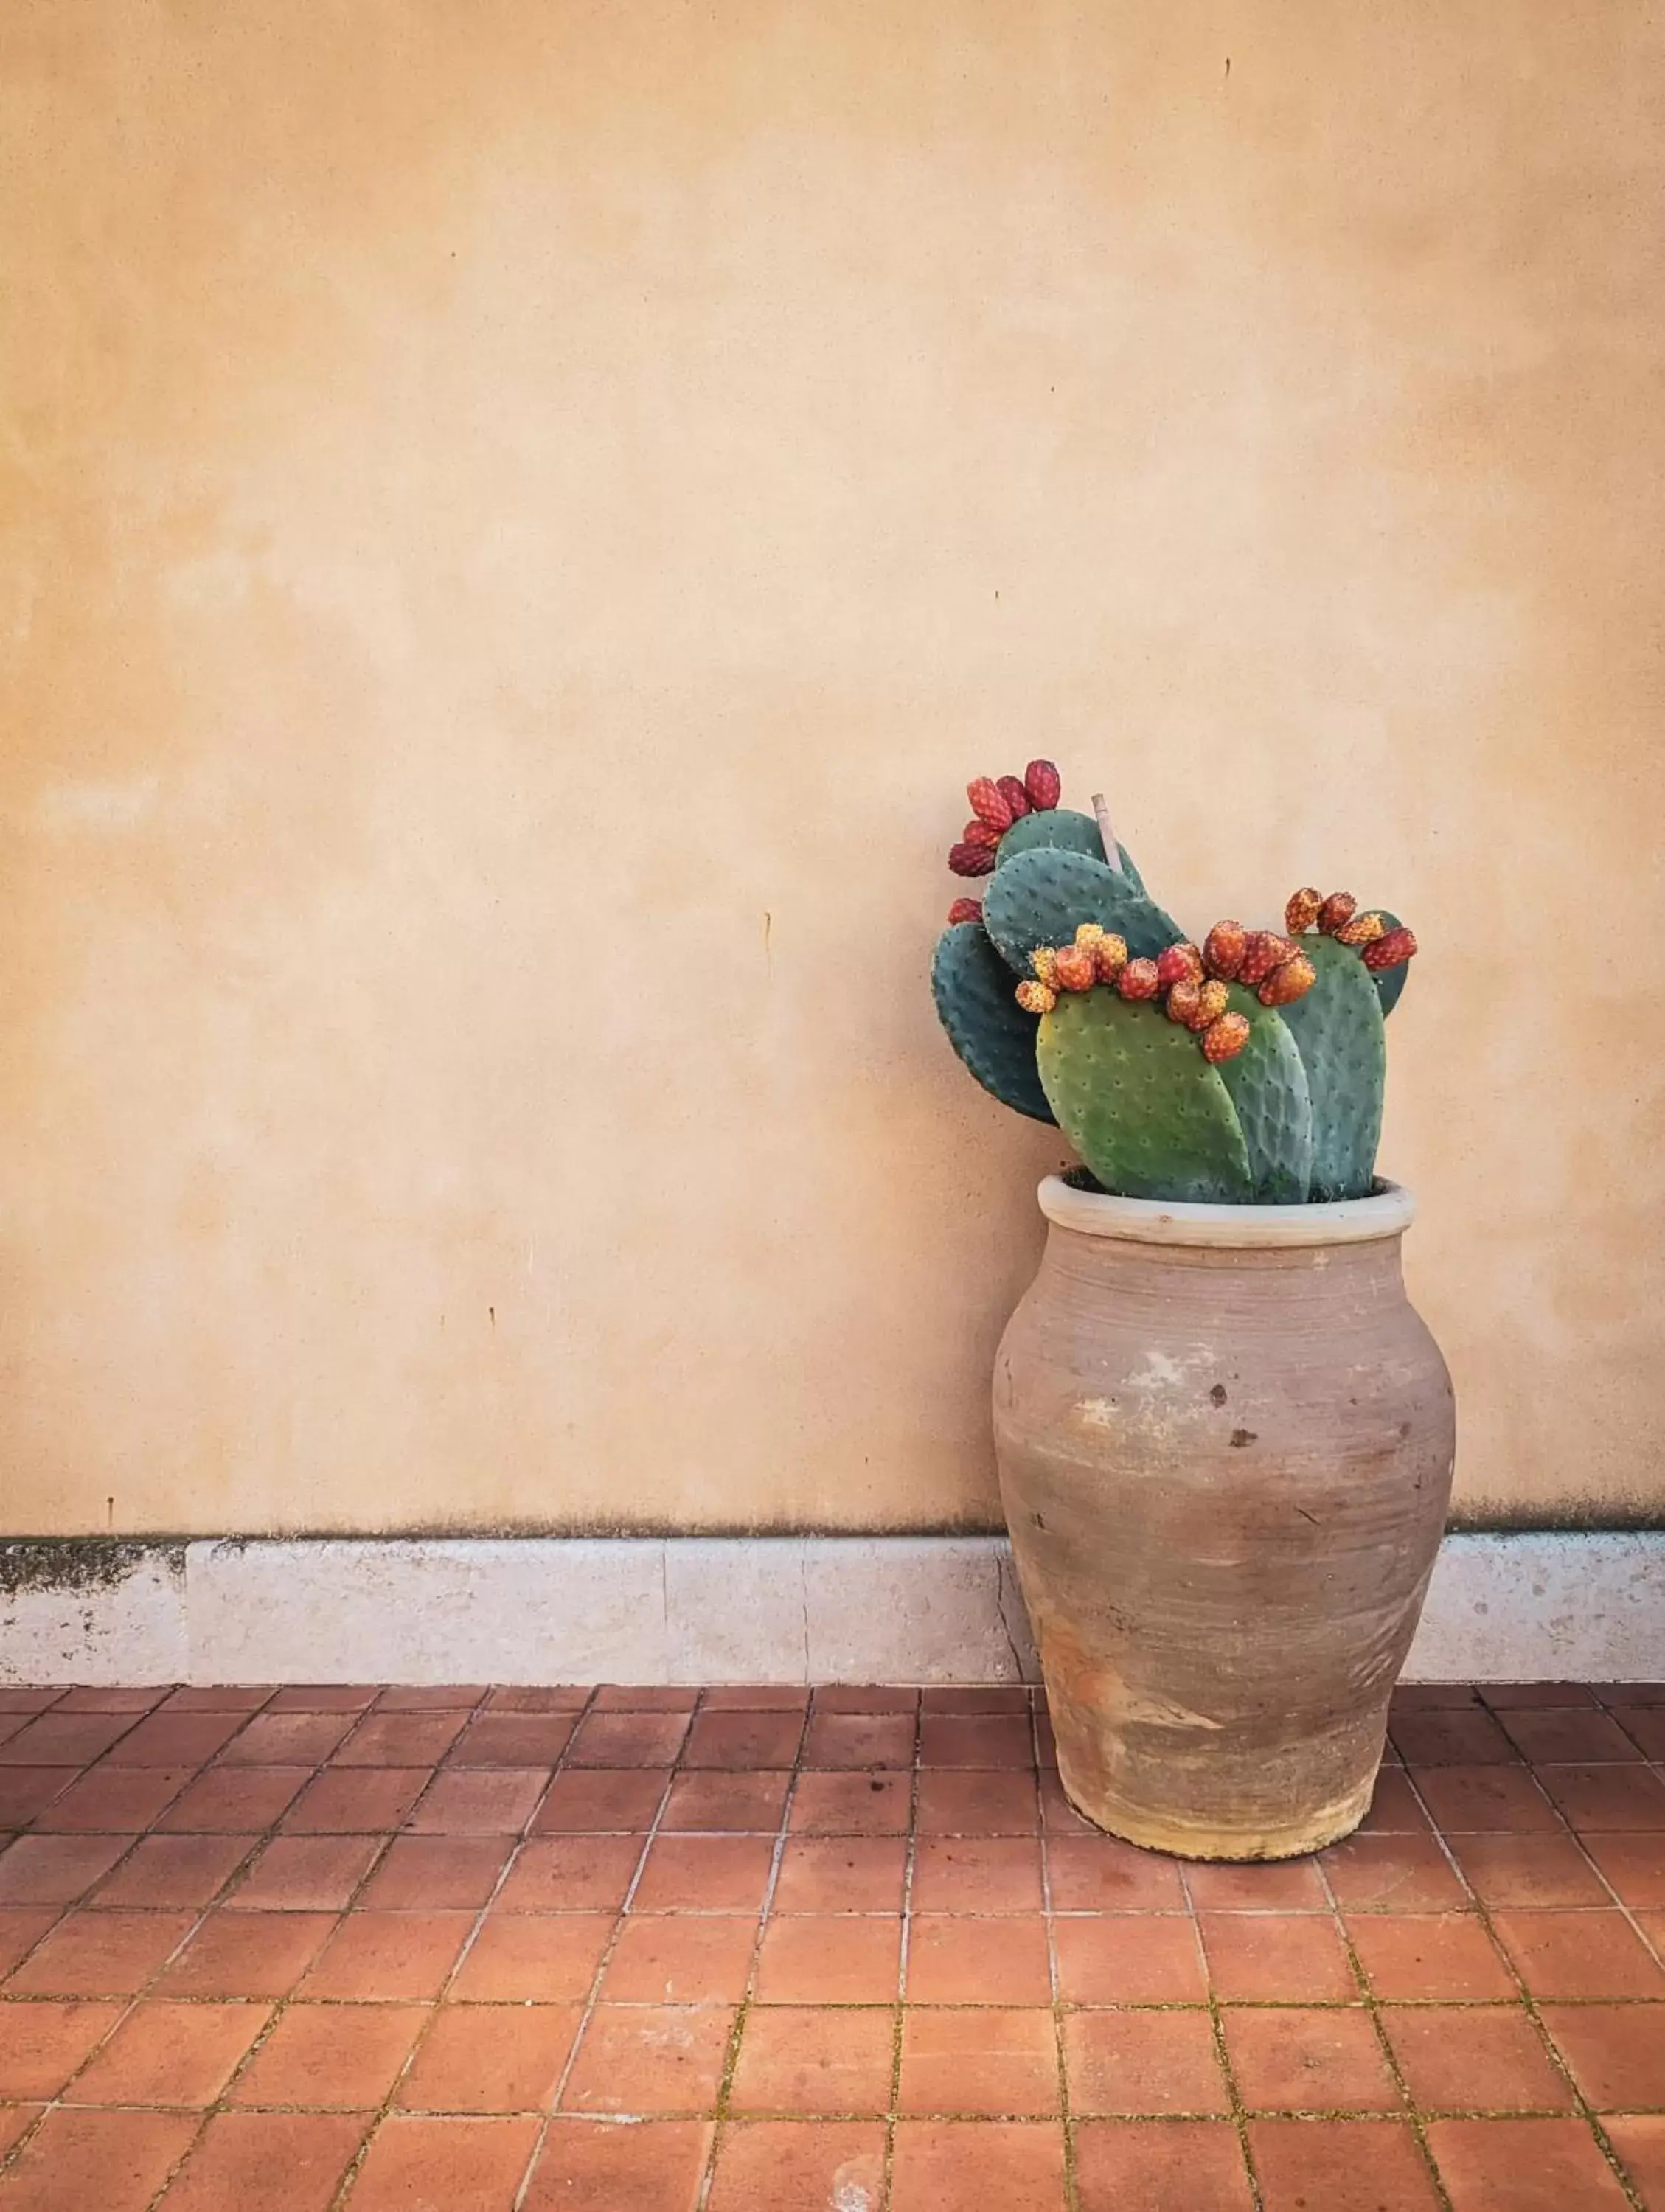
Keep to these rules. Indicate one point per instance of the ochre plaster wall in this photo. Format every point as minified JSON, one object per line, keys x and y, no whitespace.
{"x":519,"y":517}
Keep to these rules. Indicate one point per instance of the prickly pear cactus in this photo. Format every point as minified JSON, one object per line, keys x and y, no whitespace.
{"x":1042,"y":896}
{"x":1267,"y":1084}
{"x":1391,"y":981}
{"x":1140,"y":1104}
{"x":1337,"y":1028}
{"x":1061,"y":830}
{"x":986,"y":1026}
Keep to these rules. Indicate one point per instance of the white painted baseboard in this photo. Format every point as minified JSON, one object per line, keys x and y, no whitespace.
{"x":1581,"y":1607}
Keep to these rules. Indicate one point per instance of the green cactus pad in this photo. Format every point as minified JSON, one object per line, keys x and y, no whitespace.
{"x":1267,"y":1084}
{"x":1041,"y":897}
{"x":1338,"y":1029}
{"x":987,"y":1028}
{"x":1061,"y":830}
{"x":1391,"y":982}
{"x":1134,"y":1096}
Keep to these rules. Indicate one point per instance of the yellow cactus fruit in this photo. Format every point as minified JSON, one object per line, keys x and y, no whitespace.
{"x":1110,"y":957}
{"x":1036,"y":998}
{"x":1362,"y":929}
{"x":1044,"y":961}
{"x":1289,"y":981}
{"x":1213,"y":998}
{"x":1089,"y":933}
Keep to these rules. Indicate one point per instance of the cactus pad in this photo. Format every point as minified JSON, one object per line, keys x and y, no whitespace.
{"x":986,"y":1025}
{"x":1391,"y":981}
{"x":1134,"y":1096}
{"x":1267,"y":1084}
{"x":1041,"y":898}
{"x":1061,"y":830}
{"x":1338,"y":1029}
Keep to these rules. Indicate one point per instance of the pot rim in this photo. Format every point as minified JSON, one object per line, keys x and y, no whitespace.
{"x":1387,"y":1212}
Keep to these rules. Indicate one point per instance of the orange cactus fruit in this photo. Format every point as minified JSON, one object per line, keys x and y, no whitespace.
{"x":987,"y":803}
{"x":1089,"y":933}
{"x":1212,"y":1003}
{"x":966,"y":909}
{"x":1036,"y":998}
{"x":1263,"y":951}
{"x":1074,"y":967}
{"x":1043,"y":784}
{"x":1109,"y":957}
{"x":1225,"y":1038}
{"x":1222,"y":949}
{"x":971,"y":859}
{"x":1338,"y":908}
{"x":1138,"y":980}
{"x":1362,"y":929}
{"x":1180,"y":964}
{"x":1044,"y":961}
{"x":1292,"y":981}
{"x":1302,"y":912}
{"x":1010,"y":789}
{"x":1184,"y":998}
{"x":1389,"y":951}
{"x":981,"y":833}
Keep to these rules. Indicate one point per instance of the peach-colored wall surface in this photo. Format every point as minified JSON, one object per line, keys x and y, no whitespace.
{"x":519,"y":520}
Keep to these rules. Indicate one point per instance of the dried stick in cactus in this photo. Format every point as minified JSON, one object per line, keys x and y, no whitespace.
{"x":992,"y":1034}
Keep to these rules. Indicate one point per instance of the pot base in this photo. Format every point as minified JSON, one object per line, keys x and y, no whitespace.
{"x":1179,"y":1839}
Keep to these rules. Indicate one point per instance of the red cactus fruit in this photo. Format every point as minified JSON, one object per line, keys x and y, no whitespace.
{"x":1362,"y":929}
{"x":1222,"y":949}
{"x":1075,"y":969}
{"x":1138,"y":980}
{"x":1010,"y":789}
{"x":1225,"y":1038}
{"x":1042,"y":783}
{"x":1180,"y":964}
{"x":1109,"y":957}
{"x":971,"y":859}
{"x":1263,"y":951}
{"x":1338,"y":908}
{"x":1182,"y":1000}
{"x":981,"y":833}
{"x":1389,"y":951}
{"x":1289,"y":981}
{"x":1302,"y":912}
{"x":1036,"y":998}
{"x":987,"y":803}
{"x":966,"y":909}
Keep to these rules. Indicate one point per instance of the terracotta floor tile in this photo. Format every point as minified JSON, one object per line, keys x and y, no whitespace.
{"x":1640,"y":2140}
{"x":1468,"y":1799}
{"x":715,"y":1802}
{"x":977,"y":1873}
{"x":115,"y":2161}
{"x":100,"y":1954}
{"x":111,"y":1698}
{"x":1130,"y":2063}
{"x":1528,"y":1871}
{"x":1595,"y":1798}
{"x":176,"y":1739}
{"x":849,"y":1804}
{"x":414,"y":2162}
{"x":267,"y":2162}
{"x":173,"y":1870}
{"x":1645,"y":1726}
{"x":979,"y":1802}
{"x":976,"y":1698}
{"x":1440,"y":1737}
{"x":22,"y":1927}
{"x":333,"y":2058}
{"x":614,"y":1739}
{"x":956,"y":1959}
{"x":972,"y":2166}
{"x":220,"y":1697}
{"x":306,"y":1873}
{"x":705,"y":1874}
{"x":533,"y":1958}
{"x":672,"y":1958}
{"x":1283,"y":1957}
{"x":803,"y":2059}
{"x":646,"y":1698}
{"x":430,"y":1697}
{"x":1523,"y":2165}
{"x":322,"y":1698}
{"x":41,"y":2045}
{"x":602,"y":1801}
{"x":593,"y":2165}
{"x":981,"y":2064}
{"x":491,"y":2059}
{"x":755,"y":1698}
{"x":1292,"y":1885}
{"x":436,"y":1873}
{"x":1438,"y":1955}
{"x":55,"y":1869}
{"x":400,"y":1739}
{"x":1469,"y":2059}
{"x":26,"y":1791}
{"x":20,"y":1698}
{"x":1129,"y":1958}
{"x":63,"y":1739}
{"x":842,"y":1873}
{"x":1567,"y":1734}
{"x":858,"y":1739}
{"x":830,"y":1960}
{"x":498,"y":1739}
{"x":170,"y":2054}
{"x":1394,"y":1807}
{"x":1160,"y":2166}
{"x":1294,"y":2060}
{"x":15,"y":2121}
{"x":1506,"y":1696}
{"x":286,"y":1739}
{"x":1100,"y":1873}
{"x":375,"y":1957}
{"x":246,"y":1954}
{"x":356,"y":1799}
{"x":1579,"y":1954}
{"x":976,"y":1740}
{"x":799,"y":2166}
{"x":124,"y":1799}
{"x":649,"y":2058}
{"x":743,"y":1740}
{"x":234,"y":1800}
{"x":1393,"y":1874}
{"x":480,"y":1801}
{"x":1634,"y":1865}
{"x":864,"y":1697}
{"x":1616,"y":2052}
{"x":1341,"y":2165}
{"x":1628,"y":1694}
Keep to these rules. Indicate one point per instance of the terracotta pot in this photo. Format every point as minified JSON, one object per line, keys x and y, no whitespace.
{"x":1225,"y":1442}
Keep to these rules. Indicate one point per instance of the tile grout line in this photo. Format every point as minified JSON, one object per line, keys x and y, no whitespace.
{"x":1066,"y":2118}
{"x":904,"y":1954}
{"x":1237,"y":2110}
